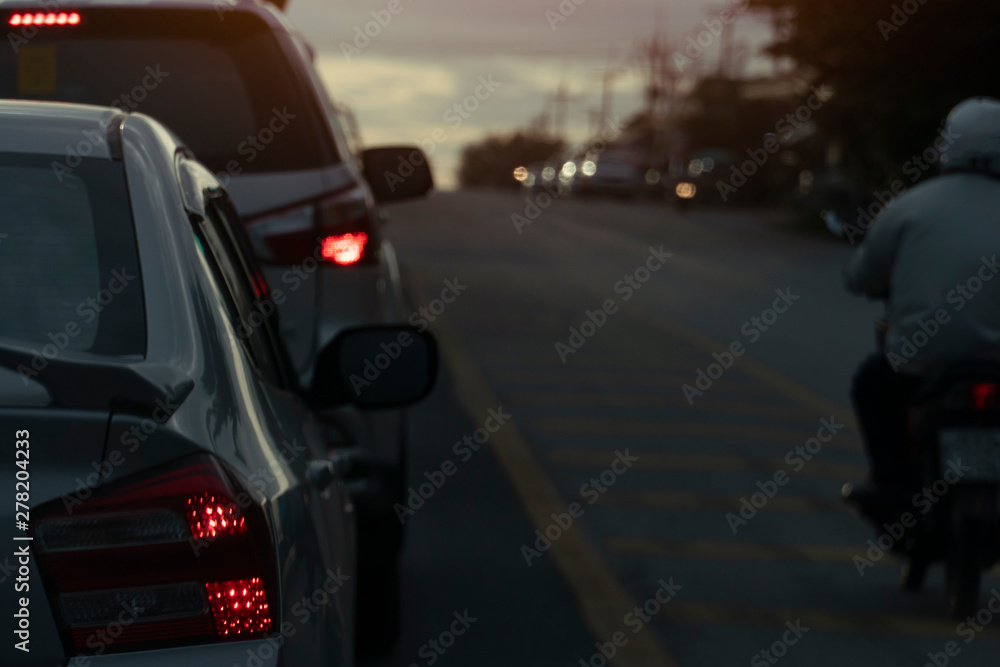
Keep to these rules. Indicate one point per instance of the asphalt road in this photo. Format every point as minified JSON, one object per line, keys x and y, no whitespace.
{"x":637,"y":482}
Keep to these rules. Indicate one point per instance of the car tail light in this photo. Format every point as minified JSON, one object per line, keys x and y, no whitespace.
{"x":344,"y":249}
{"x":178,"y":556}
{"x":334,"y":229}
{"x":983,"y":396}
{"x":44,"y":18}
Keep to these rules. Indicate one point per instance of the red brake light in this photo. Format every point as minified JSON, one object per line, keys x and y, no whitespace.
{"x":239,"y":607}
{"x":203,"y":543}
{"x":44,"y":18}
{"x":344,"y":249}
{"x":335,"y":229}
{"x":209,"y":518}
{"x":983,"y":396}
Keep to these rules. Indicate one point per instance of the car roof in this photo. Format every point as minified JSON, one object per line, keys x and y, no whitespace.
{"x":172,"y":4}
{"x":48,"y":128}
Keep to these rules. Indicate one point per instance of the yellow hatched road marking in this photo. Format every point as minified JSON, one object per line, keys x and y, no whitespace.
{"x":602,"y":601}
{"x":674,"y":500}
{"x":780,"y":382}
{"x":668,"y":380}
{"x":705,"y":462}
{"x":815,"y":620}
{"x":616,"y":399}
{"x":741,"y":551}
{"x":649,"y":427}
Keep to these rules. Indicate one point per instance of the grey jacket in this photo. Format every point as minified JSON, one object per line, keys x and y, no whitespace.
{"x":933,"y":255}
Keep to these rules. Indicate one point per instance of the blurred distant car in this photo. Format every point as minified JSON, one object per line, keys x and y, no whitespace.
{"x":607,"y":177}
{"x":235,"y":81}
{"x":553,"y":176}
{"x":179,"y":498}
{"x":695,"y":181}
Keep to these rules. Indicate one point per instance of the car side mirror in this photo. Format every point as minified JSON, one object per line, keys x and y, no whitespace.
{"x":375,"y":367}
{"x":396,"y":173}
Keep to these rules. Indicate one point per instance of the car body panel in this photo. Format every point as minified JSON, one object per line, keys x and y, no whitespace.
{"x":261,"y":432}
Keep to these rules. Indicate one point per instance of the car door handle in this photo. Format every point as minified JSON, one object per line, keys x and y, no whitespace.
{"x":322,"y":473}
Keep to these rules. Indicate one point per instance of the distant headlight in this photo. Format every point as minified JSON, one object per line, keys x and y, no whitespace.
{"x":686,"y":190}
{"x":589,"y":168}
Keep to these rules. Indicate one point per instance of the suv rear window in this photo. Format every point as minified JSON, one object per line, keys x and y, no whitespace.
{"x":69,"y":272}
{"x":220,"y":82}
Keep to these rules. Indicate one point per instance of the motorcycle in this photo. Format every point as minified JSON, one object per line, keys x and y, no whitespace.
{"x":948,"y":510}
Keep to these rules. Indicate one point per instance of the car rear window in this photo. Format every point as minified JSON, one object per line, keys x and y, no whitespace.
{"x":219,"y":80}
{"x":69,"y":272}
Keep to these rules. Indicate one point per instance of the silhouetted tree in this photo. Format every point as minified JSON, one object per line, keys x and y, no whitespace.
{"x":896,"y":66}
{"x":492,"y":161}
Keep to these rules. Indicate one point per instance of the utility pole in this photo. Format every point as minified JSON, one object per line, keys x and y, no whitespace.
{"x":607,"y":94}
{"x":561,"y":110}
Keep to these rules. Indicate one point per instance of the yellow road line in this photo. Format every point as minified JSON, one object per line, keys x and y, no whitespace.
{"x":671,"y":382}
{"x":739,"y":551}
{"x":602,"y":601}
{"x":778,"y":381}
{"x":815,"y":620}
{"x":706,"y":462}
{"x":615,"y":399}
{"x":676,"y":500}
{"x":642,"y":427}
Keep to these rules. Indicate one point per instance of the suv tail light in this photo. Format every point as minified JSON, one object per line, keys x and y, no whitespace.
{"x":178,"y":556}
{"x":334,"y":229}
{"x":44,"y":18}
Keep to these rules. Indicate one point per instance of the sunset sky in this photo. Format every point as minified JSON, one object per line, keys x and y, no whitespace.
{"x":431,"y":54}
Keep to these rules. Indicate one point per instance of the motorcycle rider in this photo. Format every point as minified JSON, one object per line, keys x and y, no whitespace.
{"x":932,"y":255}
